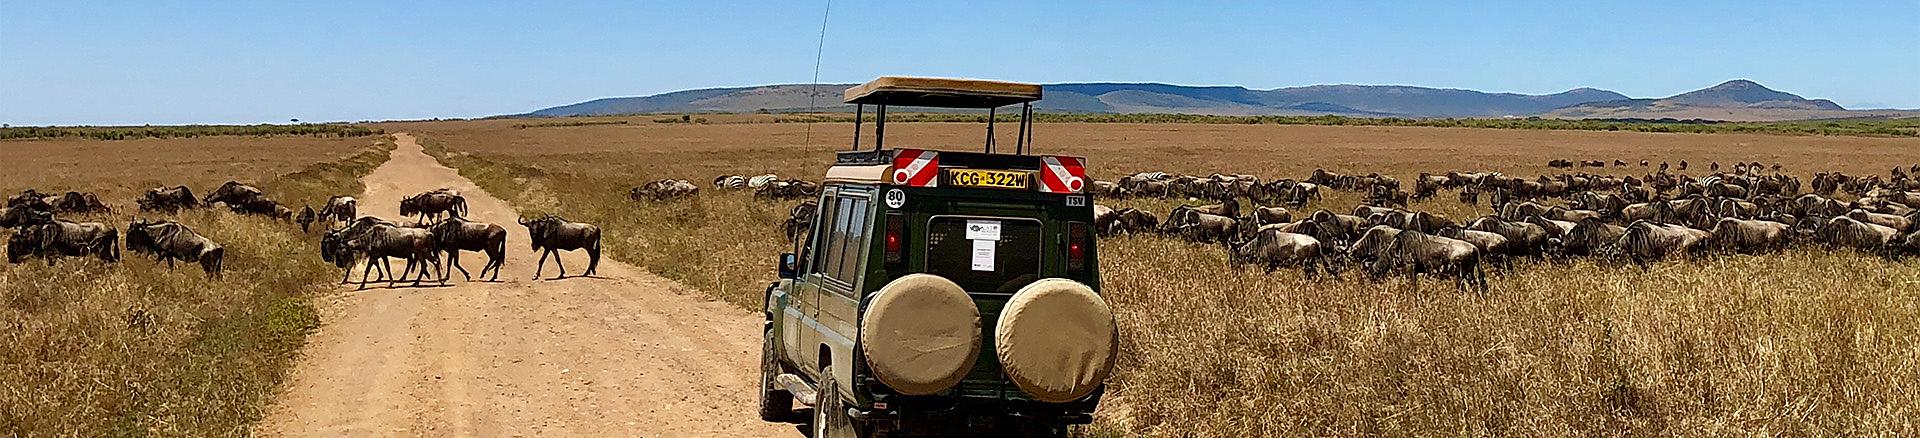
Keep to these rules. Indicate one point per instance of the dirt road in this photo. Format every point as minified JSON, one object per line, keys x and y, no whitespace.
{"x":630,"y":354}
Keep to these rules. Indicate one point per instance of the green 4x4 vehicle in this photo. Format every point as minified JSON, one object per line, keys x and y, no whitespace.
{"x":942,"y":292}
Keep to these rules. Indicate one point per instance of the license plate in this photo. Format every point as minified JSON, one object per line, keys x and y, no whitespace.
{"x":999,"y":179}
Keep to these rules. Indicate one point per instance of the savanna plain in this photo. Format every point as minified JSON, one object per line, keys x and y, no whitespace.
{"x":1802,"y":342}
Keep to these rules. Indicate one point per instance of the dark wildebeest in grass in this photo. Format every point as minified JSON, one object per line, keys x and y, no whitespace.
{"x":168,"y":200}
{"x":458,"y":234}
{"x":1646,"y":242}
{"x":1524,"y":238}
{"x":800,"y":220}
{"x":32,"y":199}
{"x":1493,"y":246}
{"x":306,"y":218}
{"x":169,"y":241}
{"x":1415,"y":253}
{"x":233,"y":193}
{"x":11,"y":217}
{"x":79,"y":203}
{"x":552,"y":234}
{"x":1591,"y":237}
{"x":21,"y":245}
{"x":430,"y":205}
{"x":263,"y":206}
{"x":1272,"y":248}
{"x":1748,"y":236}
{"x":61,"y":238}
{"x":413,"y":244}
{"x":1847,"y":232}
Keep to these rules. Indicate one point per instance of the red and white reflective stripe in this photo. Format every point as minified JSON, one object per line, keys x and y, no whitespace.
{"x":916,"y":168}
{"x":1063,"y":175}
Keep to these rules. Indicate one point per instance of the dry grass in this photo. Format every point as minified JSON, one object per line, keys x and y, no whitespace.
{"x":88,"y":349}
{"x":1806,"y":342}
{"x":122,"y":169}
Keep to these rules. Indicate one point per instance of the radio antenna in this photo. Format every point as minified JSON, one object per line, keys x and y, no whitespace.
{"x":813,"y":91}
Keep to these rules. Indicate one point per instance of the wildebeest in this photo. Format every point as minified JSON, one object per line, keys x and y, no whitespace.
{"x":430,"y":205}
{"x":78,"y":203}
{"x":1207,"y":228}
{"x":60,"y":238}
{"x":664,"y":190}
{"x":32,"y":199}
{"x":800,"y":220}
{"x":1491,"y":245}
{"x":20,"y":245}
{"x":1740,"y":235}
{"x":233,"y":193}
{"x":1372,"y":244}
{"x":1591,"y":236}
{"x":22,"y":216}
{"x":1133,"y":220}
{"x":458,"y":234}
{"x":1847,"y":232}
{"x":1897,"y":223}
{"x":557,"y":234}
{"x":168,"y":199}
{"x":1525,"y":239}
{"x":1271,"y":215}
{"x":168,"y":241}
{"x":413,"y":244}
{"x":306,"y":218}
{"x":1273,"y":249}
{"x":1646,"y":241}
{"x":333,"y":246}
{"x":1415,"y":253}
{"x":340,"y":209}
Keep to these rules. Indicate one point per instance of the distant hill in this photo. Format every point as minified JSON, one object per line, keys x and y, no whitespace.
{"x":1737,"y":100}
{"x":1346,"y":100}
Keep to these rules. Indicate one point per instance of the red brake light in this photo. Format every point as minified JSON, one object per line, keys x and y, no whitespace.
{"x":1076,"y":246}
{"x":896,"y":238}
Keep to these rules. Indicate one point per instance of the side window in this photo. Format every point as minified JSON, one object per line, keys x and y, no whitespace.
{"x":836,"y":239}
{"x":852,"y":254}
{"x":821,"y":244}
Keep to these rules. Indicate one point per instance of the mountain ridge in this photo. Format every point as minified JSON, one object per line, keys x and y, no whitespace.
{"x":1738,"y":99}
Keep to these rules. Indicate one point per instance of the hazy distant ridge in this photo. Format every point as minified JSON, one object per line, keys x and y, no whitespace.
{"x":1732,"y":100}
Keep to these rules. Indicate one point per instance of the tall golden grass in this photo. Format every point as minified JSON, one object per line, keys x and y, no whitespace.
{"x":1806,"y":342}
{"x":135,"y":348}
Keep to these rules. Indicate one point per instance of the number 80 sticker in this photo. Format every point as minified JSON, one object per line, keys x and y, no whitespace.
{"x":896,"y":198}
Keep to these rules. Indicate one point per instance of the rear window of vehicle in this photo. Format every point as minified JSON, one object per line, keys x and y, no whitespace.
{"x":984,"y":254}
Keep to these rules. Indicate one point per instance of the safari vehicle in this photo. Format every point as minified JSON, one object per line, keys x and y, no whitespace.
{"x":942,"y":292}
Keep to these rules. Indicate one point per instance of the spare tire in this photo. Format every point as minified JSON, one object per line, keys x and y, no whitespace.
{"x":1056,"y":340}
{"x":921,"y":334}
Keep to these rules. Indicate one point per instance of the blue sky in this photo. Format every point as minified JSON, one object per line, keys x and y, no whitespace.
{"x":166,"y":62}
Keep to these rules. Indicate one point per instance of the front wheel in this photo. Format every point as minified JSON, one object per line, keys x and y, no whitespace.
{"x":776,"y":404}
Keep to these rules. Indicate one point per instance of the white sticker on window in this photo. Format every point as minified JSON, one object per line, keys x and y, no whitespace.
{"x":983,"y":254}
{"x":983,"y":230}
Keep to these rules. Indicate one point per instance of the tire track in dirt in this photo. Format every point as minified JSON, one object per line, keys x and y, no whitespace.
{"x":623,"y":355}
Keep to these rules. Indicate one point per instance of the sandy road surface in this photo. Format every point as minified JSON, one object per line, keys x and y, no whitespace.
{"x":623,"y":355}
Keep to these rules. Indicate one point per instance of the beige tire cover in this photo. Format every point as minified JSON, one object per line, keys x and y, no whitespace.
{"x":1056,"y":339}
{"x":921,"y":334}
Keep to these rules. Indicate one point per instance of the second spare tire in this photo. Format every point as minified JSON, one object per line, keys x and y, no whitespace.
{"x":921,"y":334}
{"x":1056,"y":340}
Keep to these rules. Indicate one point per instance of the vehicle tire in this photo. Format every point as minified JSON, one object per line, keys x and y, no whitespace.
{"x":830,"y":416}
{"x":776,"y":404}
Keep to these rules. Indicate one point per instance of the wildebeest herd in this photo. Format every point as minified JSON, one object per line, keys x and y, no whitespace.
{"x":767,"y":186}
{"x":1636,"y":218}
{"x":441,"y":228}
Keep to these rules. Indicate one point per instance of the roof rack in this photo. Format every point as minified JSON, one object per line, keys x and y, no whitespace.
{"x":942,"y":93}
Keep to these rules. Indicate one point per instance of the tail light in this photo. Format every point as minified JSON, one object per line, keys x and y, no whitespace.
{"x":1077,"y":243}
{"x":896,"y":238}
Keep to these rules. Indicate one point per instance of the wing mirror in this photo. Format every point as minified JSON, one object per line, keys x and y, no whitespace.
{"x":787,"y":268}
